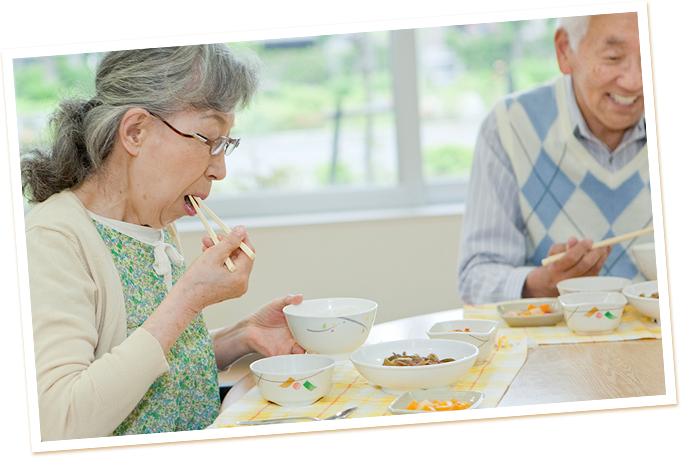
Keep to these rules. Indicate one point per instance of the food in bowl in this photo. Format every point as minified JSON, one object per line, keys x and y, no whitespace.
{"x":293,"y":380}
{"x":334,"y":326}
{"x":644,"y":254}
{"x":593,"y":313}
{"x":368,"y":361}
{"x":532,"y":309}
{"x":513,"y":312}
{"x":407,"y":402}
{"x":597,"y":283}
{"x":438,"y":406}
{"x":481,"y":333}
{"x":644,"y":297}
{"x":413,"y":360}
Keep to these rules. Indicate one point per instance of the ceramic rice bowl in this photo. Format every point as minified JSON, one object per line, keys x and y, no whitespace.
{"x":334,"y":327}
{"x":649,"y":306}
{"x":593,"y":313}
{"x":293,"y":380}
{"x":587,"y":284}
{"x":644,"y":253}
{"x":481,"y":333}
{"x":368,"y":361}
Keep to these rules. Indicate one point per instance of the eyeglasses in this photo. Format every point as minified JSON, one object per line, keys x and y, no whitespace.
{"x":226,"y":144}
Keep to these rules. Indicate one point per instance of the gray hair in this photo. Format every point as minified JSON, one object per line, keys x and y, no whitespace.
{"x":576,"y":28}
{"x":164,"y":81}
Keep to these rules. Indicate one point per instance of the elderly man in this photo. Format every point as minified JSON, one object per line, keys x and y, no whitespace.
{"x":565,"y":161}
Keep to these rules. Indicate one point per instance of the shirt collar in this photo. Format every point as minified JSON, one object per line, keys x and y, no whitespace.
{"x":579,"y":127}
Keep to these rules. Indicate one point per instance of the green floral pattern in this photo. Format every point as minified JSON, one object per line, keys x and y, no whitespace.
{"x":187,"y":396}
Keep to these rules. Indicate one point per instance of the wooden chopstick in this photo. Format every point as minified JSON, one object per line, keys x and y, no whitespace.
{"x":602,"y":243}
{"x":227,"y":230}
{"x":211,"y":232}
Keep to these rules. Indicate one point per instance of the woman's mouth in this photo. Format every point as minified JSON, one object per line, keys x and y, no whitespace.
{"x":189,"y":208}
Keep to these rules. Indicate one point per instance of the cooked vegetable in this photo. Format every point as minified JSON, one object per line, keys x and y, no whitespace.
{"x":439,"y":406}
{"x":414,"y":360}
{"x":531,"y":310}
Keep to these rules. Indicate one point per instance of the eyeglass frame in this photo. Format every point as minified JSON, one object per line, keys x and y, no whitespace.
{"x":230,"y":144}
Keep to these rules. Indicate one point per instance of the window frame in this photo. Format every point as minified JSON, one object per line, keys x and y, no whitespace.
{"x":411,"y":190}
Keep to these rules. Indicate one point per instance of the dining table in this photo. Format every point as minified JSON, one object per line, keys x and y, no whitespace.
{"x":556,"y":373}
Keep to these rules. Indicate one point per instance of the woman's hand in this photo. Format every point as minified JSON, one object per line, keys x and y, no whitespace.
{"x":579,"y":261}
{"x":208,"y":281}
{"x":265,"y":331}
{"x":268,"y":333}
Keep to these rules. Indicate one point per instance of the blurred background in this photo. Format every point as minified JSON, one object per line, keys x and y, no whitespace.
{"x":354,"y":161}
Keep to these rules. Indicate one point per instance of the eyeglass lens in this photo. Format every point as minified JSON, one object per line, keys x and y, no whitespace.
{"x":224,"y":144}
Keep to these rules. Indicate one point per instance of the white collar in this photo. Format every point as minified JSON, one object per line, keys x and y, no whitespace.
{"x":164,"y":253}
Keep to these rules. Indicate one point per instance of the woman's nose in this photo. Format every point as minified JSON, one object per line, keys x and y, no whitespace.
{"x":216,"y":169}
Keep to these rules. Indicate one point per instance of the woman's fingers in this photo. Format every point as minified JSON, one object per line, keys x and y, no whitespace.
{"x":208,"y":242}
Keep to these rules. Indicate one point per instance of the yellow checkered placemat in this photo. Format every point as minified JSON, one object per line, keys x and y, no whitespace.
{"x":633,"y":326}
{"x":350,"y":389}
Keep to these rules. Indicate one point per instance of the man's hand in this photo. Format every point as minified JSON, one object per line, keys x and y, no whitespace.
{"x":579,"y":261}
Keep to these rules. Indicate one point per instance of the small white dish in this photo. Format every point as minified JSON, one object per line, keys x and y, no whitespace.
{"x":399,"y":405}
{"x":649,"y":306}
{"x":588,"y":284}
{"x":548,"y":319}
{"x":593,"y":313}
{"x":481,"y":333}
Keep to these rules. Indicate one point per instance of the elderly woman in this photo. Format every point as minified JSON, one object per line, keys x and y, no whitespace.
{"x":120,"y":343}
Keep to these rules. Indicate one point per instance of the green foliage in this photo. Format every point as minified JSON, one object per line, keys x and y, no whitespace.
{"x":344,"y":174}
{"x":41,"y":82}
{"x":447,"y":160}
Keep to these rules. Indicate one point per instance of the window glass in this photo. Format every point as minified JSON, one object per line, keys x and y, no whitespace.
{"x":463,"y":71}
{"x":323,"y":118}
{"x":40,"y":83}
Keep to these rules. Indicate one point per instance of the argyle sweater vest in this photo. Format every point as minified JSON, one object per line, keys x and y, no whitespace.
{"x":563,"y":190}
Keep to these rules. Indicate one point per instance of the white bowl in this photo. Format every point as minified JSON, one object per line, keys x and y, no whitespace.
{"x":521,"y":305}
{"x":293,"y":380}
{"x":593,"y":313}
{"x":586,"y":284}
{"x":334,"y":327}
{"x":482,"y":334}
{"x":368,"y":361}
{"x":649,"y":306}
{"x":644,"y":253}
{"x":399,"y":405}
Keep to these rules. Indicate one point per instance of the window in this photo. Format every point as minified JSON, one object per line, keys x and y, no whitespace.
{"x":361,"y":121}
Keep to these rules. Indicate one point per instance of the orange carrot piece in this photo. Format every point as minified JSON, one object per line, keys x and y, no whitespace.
{"x":413,"y":405}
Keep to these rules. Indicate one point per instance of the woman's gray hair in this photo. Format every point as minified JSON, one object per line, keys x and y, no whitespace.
{"x":164,"y":81}
{"x":576,"y":28}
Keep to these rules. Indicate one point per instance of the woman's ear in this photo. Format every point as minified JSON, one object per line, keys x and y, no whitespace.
{"x":134,"y":129}
{"x":564,"y":52}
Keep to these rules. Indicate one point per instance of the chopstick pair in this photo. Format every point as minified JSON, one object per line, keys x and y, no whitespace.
{"x":198,"y":205}
{"x":602,"y":243}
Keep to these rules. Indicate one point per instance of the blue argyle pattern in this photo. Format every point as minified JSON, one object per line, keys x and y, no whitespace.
{"x":562,"y":193}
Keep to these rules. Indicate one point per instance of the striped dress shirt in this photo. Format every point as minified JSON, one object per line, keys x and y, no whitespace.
{"x":492,"y":256}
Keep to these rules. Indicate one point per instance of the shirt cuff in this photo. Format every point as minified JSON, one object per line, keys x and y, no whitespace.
{"x":516,"y":282}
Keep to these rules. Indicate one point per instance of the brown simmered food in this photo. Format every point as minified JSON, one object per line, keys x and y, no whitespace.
{"x":652,"y":296}
{"x":414,"y":360}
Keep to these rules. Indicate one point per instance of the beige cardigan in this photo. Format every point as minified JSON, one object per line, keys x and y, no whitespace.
{"x":90,"y":375}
